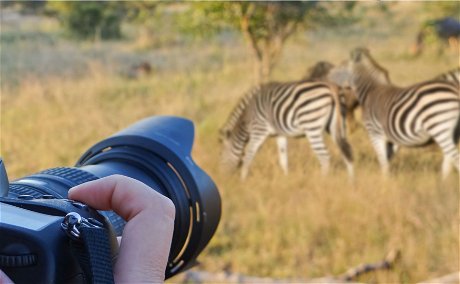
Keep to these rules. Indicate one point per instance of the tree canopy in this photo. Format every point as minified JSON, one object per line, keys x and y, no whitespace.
{"x":89,"y":20}
{"x":265,"y":25}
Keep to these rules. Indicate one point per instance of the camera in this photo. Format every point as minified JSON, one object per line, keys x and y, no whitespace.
{"x":46,"y":238}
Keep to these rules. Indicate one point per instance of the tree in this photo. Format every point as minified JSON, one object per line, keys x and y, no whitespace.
{"x":89,"y":20}
{"x":265,"y":25}
{"x":25,"y":7}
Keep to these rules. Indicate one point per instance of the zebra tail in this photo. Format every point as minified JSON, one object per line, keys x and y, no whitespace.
{"x":339,"y":133}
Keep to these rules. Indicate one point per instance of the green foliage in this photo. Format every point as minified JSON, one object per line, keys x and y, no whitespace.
{"x":203,"y":19}
{"x":207,"y":18}
{"x":153,"y":24}
{"x":140,"y":12}
{"x":441,"y":9}
{"x":25,"y":7}
{"x":332,"y":14}
{"x":90,"y":20}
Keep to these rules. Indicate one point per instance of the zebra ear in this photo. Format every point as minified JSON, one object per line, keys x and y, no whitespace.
{"x":356,"y":55}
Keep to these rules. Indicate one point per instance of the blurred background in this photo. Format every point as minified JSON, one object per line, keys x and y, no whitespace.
{"x":73,"y":73}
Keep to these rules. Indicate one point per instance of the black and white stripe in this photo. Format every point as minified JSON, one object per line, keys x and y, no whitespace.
{"x":285,"y":109}
{"x":412,"y":116}
{"x":452,"y":76}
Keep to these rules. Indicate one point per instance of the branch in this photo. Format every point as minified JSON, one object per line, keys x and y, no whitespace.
{"x":289,"y":29}
{"x":277,"y":39}
{"x":386,"y":263}
{"x":245,"y":27}
{"x":350,"y":275}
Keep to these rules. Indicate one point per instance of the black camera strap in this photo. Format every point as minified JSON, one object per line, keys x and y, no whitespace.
{"x":93,"y":253}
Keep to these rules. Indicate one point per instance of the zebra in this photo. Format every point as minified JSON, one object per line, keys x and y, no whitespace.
{"x":285,"y":109}
{"x":320,"y":72}
{"x":413,"y":116}
{"x":450,"y":76}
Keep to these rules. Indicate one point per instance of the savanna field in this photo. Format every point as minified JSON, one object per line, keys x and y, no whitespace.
{"x":59,"y":97}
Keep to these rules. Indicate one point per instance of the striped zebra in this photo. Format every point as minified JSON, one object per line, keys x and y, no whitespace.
{"x":320,"y":72}
{"x":450,"y":76}
{"x":284,"y":109}
{"x":413,"y":116}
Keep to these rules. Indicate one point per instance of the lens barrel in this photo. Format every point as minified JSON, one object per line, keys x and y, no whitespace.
{"x":156,"y":151}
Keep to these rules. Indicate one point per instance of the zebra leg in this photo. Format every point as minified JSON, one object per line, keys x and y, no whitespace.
{"x":395,"y":148}
{"x":450,"y":151}
{"x":319,"y":147}
{"x":282,"y":152}
{"x":381,"y":147}
{"x":349,"y":165}
{"x":391,"y":150}
{"x":254,"y":143}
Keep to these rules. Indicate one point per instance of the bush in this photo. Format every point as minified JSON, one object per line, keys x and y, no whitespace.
{"x":90,"y":20}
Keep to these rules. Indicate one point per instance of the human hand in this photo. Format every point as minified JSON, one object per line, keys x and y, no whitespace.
{"x":4,"y":279}
{"x":147,"y":235}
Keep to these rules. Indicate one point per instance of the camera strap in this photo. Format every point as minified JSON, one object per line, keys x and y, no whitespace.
{"x":94,"y":255}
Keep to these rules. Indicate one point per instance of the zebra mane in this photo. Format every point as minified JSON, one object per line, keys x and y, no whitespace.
{"x":372,"y":68}
{"x":239,"y":109}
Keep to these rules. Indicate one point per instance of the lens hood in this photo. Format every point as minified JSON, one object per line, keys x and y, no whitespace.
{"x":157,"y":151}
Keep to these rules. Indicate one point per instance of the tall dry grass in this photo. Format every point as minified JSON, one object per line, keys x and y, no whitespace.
{"x":297,"y":226}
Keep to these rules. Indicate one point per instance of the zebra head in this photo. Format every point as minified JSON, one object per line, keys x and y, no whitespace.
{"x":233,"y":140}
{"x":319,"y":71}
{"x":348,"y":98}
{"x":363,"y":66}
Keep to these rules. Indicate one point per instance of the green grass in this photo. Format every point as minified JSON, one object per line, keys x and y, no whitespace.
{"x":295,"y":226}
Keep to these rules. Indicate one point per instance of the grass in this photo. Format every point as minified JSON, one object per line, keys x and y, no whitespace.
{"x":295,"y":226}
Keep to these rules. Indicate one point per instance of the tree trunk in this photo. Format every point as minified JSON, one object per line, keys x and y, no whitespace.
{"x":264,"y":67}
{"x":267,"y":49}
{"x":266,"y":55}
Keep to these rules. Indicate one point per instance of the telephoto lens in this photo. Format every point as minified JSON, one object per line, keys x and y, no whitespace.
{"x":157,"y":152}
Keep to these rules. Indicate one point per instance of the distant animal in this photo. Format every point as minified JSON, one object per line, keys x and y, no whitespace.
{"x":447,"y":30}
{"x":320,"y":72}
{"x":412,"y":116}
{"x":450,"y":76}
{"x":139,"y":70}
{"x":307,"y":108}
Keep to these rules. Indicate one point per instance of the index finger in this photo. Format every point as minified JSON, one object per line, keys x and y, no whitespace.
{"x":124,"y":195}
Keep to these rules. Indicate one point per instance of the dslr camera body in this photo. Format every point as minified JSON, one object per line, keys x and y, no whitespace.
{"x":42,"y":242}
{"x":46,"y":238}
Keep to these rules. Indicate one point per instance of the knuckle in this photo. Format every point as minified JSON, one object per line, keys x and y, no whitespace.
{"x":117,"y":177}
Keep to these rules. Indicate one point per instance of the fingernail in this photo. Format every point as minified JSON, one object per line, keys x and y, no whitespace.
{"x":71,"y":190}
